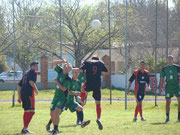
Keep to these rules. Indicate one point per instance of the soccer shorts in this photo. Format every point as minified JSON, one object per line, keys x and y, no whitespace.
{"x":57,"y":102}
{"x":96,"y":92}
{"x":72,"y":105}
{"x":28,"y":102}
{"x":171,"y":91}
{"x":139,"y":96}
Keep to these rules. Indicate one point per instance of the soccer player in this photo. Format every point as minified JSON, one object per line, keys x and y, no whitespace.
{"x":93,"y":69}
{"x":72,"y":105}
{"x":141,"y":77}
{"x":26,"y":89}
{"x":60,"y":98}
{"x":172,"y":84}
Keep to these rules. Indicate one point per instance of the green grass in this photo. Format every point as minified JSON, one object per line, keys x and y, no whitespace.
{"x":48,"y":94}
{"x":115,"y":120}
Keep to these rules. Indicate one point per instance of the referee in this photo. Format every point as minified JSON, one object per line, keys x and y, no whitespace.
{"x":26,"y":89}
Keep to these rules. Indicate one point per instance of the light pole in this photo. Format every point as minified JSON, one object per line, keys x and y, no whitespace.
{"x":155,"y":49}
{"x":167,"y":34}
{"x":60,"y":27}
{"x":109,"y":22}
{"x":14,"y":51}
{"x":126,"y":55}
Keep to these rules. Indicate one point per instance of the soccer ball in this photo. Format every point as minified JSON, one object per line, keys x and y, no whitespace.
{"x":96,"y":24}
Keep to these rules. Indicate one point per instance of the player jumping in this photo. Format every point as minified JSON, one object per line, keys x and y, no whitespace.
{"x":93,"y":69}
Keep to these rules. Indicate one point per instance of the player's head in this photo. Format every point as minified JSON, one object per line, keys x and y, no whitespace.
{"x":75,"y":74}
{"x":170,"y":60}
{"x":34,"y":65}
{"x":142,"y":65}
{"x":67,"y":68}
{"x":95,"y":58}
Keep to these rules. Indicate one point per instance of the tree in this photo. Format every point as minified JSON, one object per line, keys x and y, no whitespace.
{"x":3,"y":64}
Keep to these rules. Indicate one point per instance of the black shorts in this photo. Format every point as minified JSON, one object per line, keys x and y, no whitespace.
{"x":96,"y":92}
{"x":140,"y":96}
{"x":28,"y":102}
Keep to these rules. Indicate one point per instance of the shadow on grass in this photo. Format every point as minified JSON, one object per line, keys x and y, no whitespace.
{"x":158,"y":123}
{"x":68,"y":126}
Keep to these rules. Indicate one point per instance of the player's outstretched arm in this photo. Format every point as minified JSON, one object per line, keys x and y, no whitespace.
{"x":59,"y":85}
{"x":75,"y":93}
{"x":77,"y":70}
{"x":55,"y":62}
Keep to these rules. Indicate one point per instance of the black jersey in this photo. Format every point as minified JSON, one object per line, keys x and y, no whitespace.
{"x":141,"y":78}
{"x":26,"y":89}
{"x":94,"y":69}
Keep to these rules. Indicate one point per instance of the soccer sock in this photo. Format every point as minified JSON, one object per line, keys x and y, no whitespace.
{"x":140,"y":110}
{"x":81,"y":116}
{"x":136,"y":111}
{"x":50,"y":121}
{"x":178,"y":114}
{"x":30,"y":115}
{"x":98,"y":110}
{"x":83,"y":95}
{"x":25,"y":116}
{"x":167,"y":115}
{"x":77,"y":113}
{"x":55,"y":127}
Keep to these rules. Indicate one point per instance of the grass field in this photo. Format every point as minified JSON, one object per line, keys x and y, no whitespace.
{"x":48,"y":94}
{"x":115,"y":119}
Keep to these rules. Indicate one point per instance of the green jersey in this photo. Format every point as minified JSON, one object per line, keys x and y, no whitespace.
{"x":64,"y":80}
{"x":171,"y":74}
{"x":75,"y":86}
{"x":82,"y":77}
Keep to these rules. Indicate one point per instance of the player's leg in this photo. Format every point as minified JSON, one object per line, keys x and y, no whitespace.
{"x":29,"y":106}
{"x":79,"y":108}
{"x":140,"y":107}
{"x":177,"y":93}
{"x":57,"y":112}
{"x":178,"y":98}
{"x":137,"y":107}
{"x":168,"y":102}
{"x":52,"y":108}
{"x":97,"y":97}
{"x":83,"y":92}
{"x":168,"y":95}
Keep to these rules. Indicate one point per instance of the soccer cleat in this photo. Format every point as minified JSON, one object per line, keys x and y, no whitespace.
{"x":48,"y":128}
{"x":142,"y":119}
{"x":54,"y":132}
{"x":85,"y":123}
{"x":135,"y":120}
{"x":26,"y":131}
{"x":100,"y":126}
{"x":167,"y":120}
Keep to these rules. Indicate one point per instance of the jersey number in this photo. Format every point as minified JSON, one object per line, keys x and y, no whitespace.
{"x":94,"y":69}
